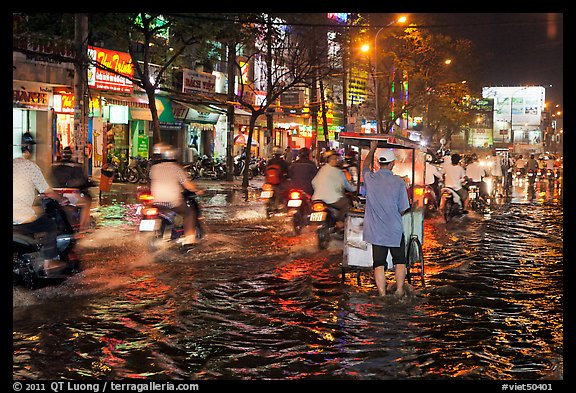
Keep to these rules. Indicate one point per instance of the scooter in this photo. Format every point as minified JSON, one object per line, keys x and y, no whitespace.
{"x":476,"y":201}
{"x":325,"y":218}
{"x":450,"y":204}
{"x":28,"y":265}
{"x":162,"y":223}
{"x":273,"y":199}
{"x":299,"y":207}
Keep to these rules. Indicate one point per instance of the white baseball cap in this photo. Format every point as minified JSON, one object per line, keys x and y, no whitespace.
{"x":386,"y":156}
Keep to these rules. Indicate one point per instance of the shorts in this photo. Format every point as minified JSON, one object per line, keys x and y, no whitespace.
{"x":380,"y":253}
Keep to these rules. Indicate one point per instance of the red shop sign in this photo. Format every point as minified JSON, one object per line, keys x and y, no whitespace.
{"x":113,"y":72}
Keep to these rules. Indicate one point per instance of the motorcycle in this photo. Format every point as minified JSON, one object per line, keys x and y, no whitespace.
{"x":240,"y":165}
{"x":138,"y":171}
{"x":299,"y":207}
{"x":192,"y":169}
{"x":477,"y":202}
{"x":162,"y":223}
{"x":431,"y":201}
{"x":212,"y":168}
{"x":273,"y":199}
{"x":450,"y":204}
{"x":531,"y":174}
{"x":324,"y":217}
{"x":27,"y":264}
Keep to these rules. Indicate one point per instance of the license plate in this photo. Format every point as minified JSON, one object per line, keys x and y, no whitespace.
{"x":149,"y":225}
{"x":266,"y":194}
{"x":317,"y":216}
{"x":294,"y":203}
{"x":472,"y":195}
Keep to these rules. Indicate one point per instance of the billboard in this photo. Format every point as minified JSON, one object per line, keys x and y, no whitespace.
{"x":519,"y":106}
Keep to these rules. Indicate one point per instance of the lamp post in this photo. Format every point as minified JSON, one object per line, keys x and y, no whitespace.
{"x":511,"y":127}
{"x":376,"y":100}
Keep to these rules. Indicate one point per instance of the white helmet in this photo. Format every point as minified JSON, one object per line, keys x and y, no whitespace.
{"x":168,"y":153}
{"x":386,"y":156}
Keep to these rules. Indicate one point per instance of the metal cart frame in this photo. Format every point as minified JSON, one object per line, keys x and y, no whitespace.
{"x":357,"y":256}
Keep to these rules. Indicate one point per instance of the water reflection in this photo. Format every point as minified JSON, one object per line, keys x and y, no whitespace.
{"x":254,"y":302}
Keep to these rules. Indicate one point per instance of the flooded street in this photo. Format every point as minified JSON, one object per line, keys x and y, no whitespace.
{"x":254,"y":302}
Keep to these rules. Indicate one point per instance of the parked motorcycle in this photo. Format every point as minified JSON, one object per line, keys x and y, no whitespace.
{"x":138,"y":171}
{"x":162,"y":223}
{"x":299,"y":207}
{"x":240,"y":165}
{"x":212,"y":168}
{"x":27,"y":263}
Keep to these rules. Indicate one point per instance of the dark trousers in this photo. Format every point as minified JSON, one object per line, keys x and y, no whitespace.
{"x":343,"y":205}
{"x":44,"y":229}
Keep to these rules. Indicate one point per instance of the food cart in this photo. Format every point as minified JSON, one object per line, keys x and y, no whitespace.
{"x":410,"y":164}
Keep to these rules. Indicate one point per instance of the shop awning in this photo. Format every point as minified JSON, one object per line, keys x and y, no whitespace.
{"x":139,"y":108}
{"x":202,"y":113}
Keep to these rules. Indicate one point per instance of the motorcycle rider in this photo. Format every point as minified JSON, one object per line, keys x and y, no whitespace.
{"x":277,"y":172}
{"x":454,"y":177}
{"x":476,"y":174}
{"x":302,"y":171}
{"x":27,"y":182}
{"x":532,"y":164}
{"x":68,"y":174}
{"x":330,"y":183}
{"x":167,"y":178}
{"x":433,"y":177}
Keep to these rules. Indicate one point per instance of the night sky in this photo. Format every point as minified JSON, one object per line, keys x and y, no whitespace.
{"x":516,"y":49}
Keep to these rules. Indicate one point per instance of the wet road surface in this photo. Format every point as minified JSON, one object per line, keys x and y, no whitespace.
{"x":254,"y":302}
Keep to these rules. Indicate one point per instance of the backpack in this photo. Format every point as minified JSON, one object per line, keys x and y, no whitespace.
{"x":273,"y":174}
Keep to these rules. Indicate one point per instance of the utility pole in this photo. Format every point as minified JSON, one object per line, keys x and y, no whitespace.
{"x":80,"y":89}
{"x":230,"y":111}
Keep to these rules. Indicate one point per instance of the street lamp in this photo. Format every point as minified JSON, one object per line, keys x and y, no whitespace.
{"x":376,"y":101}
{"x":511,"y":127}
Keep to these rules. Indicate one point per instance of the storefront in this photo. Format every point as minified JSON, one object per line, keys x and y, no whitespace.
{"x":31,"y":112}
{"x":200,"y":127}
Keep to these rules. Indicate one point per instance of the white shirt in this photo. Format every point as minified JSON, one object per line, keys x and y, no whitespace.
{"x":330,"y":184}
{"x":454,"y":174}
{"x":27,"y":182}
{"x":432,"y":171}
{"x":475,"y":171}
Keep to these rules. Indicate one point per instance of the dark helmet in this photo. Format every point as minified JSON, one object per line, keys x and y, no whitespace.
{"x":455,"y":158}
{"x":27,"y":142}
{"x":67,"y":154}
{"x":304,"y":153}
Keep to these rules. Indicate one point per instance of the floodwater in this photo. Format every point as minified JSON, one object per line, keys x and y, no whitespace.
{"x":253,"y":302}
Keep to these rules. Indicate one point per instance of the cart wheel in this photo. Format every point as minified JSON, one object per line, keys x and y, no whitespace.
{"x":414,"y":260}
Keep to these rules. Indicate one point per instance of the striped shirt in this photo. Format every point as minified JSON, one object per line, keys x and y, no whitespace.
{"x":167,"y":179}
{"x":27,"y":182}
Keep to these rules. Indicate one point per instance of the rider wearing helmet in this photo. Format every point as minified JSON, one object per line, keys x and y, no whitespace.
{"x":167,"y":179}
{"x":69,"y":174}
{"x":302,"y":171}
{"x":27,"y":182}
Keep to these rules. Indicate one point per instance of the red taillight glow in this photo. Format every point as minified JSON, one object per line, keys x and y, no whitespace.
{"x":295,"y":195}
{"x":318,"y":207}
{"x":145,"y":197}
{"x":150,"y":211}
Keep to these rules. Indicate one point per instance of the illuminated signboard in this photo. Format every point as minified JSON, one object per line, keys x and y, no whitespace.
{"x":338,"y":16}
{"x":120,"y":62}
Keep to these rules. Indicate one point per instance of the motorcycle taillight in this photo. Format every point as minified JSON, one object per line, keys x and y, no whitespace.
{"x":150,"y":211}
{"x":145,"y":197}
{"x":295,"y":195}
{"x":318,"y":207}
